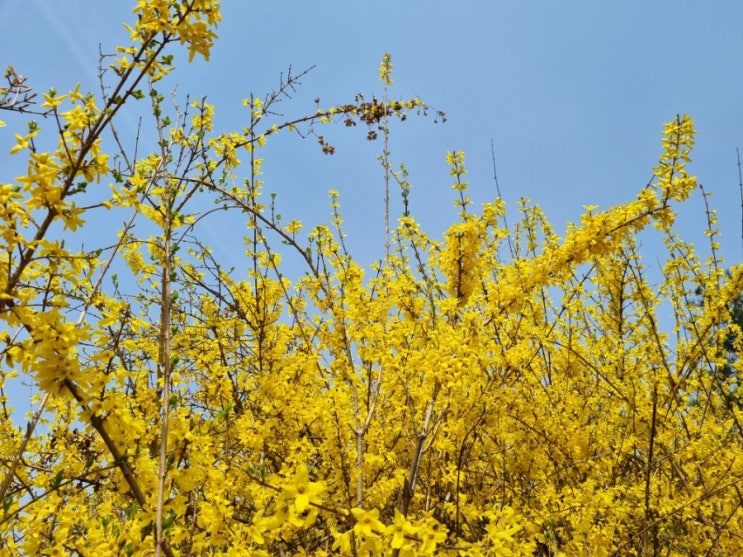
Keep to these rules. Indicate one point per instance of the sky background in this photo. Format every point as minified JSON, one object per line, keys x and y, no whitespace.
{"x":572,"y":95}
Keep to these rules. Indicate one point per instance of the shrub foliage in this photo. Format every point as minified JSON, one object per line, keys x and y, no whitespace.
{"x":496,"y":391}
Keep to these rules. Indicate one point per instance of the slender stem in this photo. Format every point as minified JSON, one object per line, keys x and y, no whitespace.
{"x":648,"y":470}
{"x":740,"y":185}
{"x":386,"y":156}
{"x":164,"y":367}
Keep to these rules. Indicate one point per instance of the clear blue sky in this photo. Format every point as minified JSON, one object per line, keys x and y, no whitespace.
{"x":572,"y":94}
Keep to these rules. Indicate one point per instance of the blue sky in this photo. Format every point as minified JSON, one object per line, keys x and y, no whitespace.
{"x":572,"y":95}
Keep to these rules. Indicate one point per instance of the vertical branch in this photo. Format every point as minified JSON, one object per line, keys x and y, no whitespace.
{"x":409,"y":488}
{"x":164,"y":355}
{"x":359,"y":431}
{"x":386,"y":156}
{"x":253,"y":190}
{"x":740,"y":185}
{"x":164,"y":372}
{"x":500,"y":196}
{"x":385,"y":75}
{"x":648,"y":471}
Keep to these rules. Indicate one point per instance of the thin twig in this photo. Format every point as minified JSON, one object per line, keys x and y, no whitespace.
{"x":740,"y":185}
{"x":500,"y":196}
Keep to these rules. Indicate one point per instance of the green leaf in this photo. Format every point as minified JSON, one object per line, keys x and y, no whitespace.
{"x":131,"y":510}
{"x":168,"y":522}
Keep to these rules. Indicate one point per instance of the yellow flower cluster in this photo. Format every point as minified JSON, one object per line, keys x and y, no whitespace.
{"x":497,"y":391}
{"x":385,"y":69}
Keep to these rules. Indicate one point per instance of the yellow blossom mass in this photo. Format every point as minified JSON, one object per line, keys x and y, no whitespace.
{"x":497,"y":390}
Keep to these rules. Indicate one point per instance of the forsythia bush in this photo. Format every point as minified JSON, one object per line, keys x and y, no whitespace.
{"x":499,"y":391}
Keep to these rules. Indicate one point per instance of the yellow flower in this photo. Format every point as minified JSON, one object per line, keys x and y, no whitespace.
{"x":52,"y":100}
{"x":302,"y":490}
{"x":21,"y":143}
{"x":343,"y":542}
{"x":431,"y":539}
{"x":293,"y":226}
{"x":367,"y":522}
{"x":399,"y":529}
